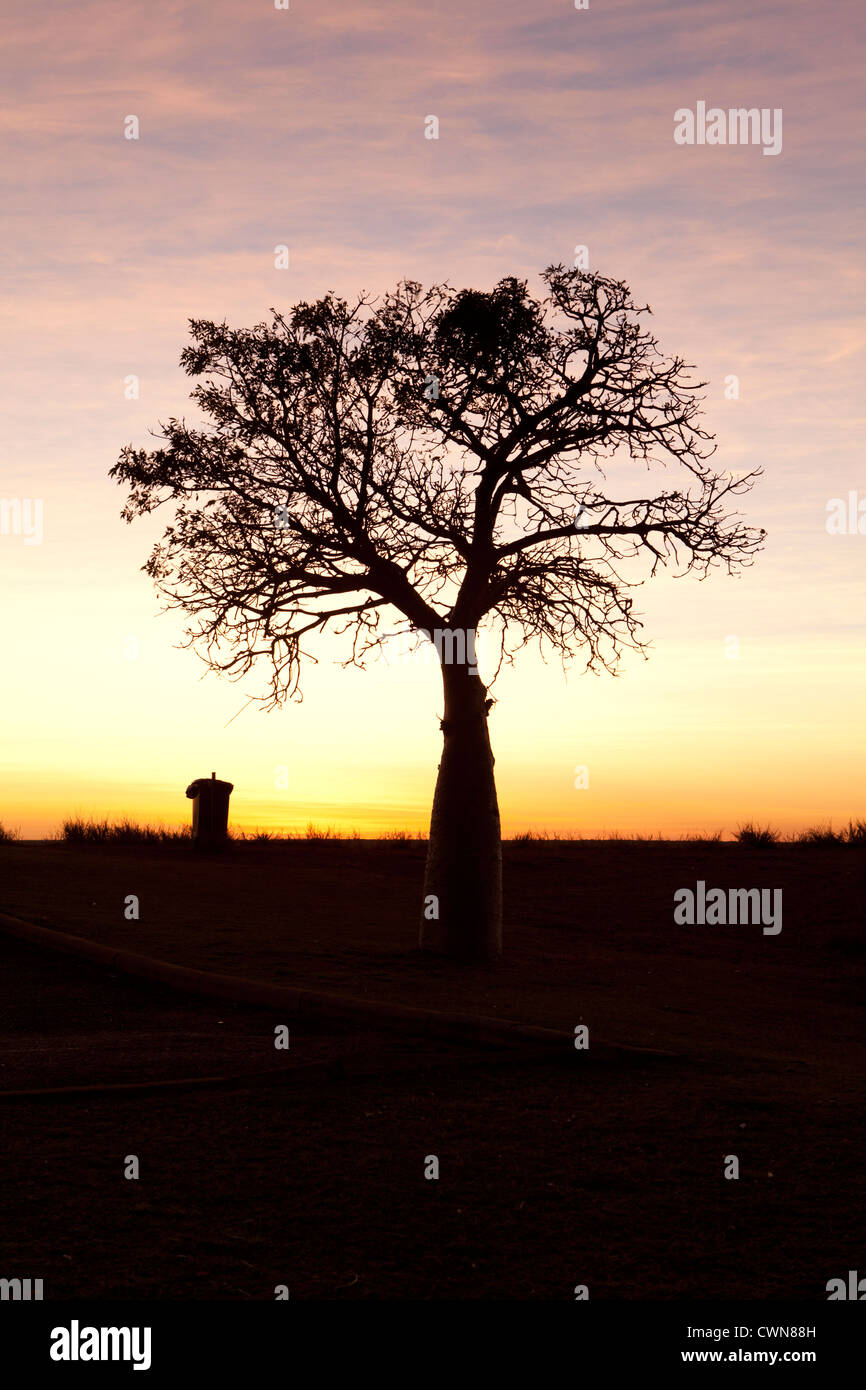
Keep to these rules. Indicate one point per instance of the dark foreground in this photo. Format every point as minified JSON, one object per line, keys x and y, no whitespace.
{"x":554,"y":1170}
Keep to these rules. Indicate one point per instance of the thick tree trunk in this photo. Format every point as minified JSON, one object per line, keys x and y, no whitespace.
{"x":462,"y":912}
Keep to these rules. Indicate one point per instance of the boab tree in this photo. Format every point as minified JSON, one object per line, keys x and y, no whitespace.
{"x":436,"y":459}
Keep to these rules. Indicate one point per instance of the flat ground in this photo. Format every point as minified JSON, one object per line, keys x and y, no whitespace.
{"x":554,"y":1170}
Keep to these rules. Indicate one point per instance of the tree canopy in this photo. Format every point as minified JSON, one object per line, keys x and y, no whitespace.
{"x":440,"y":455}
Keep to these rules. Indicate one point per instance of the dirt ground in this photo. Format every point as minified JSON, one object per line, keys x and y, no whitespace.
{"x":554,"y":1170}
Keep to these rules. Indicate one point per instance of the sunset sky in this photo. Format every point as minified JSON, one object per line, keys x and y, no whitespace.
{"x":305,"y":127}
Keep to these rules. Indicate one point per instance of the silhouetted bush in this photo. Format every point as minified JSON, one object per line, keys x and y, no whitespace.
{"x":78,"y":831}
{"x":820,"y":835}
{"x":750,"y":834}
{"x":854,"y":833}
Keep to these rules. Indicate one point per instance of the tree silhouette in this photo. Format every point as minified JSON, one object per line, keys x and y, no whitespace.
{"x":437,"y":457}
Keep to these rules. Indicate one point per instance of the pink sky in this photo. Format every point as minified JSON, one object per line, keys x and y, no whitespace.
{"x":306,"y":127}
